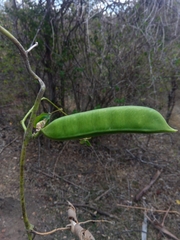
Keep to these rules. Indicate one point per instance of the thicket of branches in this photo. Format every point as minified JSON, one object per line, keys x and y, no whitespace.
{"x":96,"y":53}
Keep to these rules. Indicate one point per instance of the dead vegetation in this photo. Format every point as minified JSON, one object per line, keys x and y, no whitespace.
{"x":101,"y":181}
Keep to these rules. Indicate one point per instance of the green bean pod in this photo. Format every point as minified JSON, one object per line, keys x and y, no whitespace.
{"x":125,"y":119}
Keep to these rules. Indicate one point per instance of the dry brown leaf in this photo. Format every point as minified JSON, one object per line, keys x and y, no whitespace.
{"x":40,"y":125}
{"x":82,"y":233}
{"x":86,"y":235}
{"x":72,"y":213}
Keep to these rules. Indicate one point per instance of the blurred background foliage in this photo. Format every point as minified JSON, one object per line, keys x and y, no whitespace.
{"x":93,"y":53}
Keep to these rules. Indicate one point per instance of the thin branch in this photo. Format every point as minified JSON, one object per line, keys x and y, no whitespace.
{"x":97,"y":210}
{"x":33,"y":46}
{"x":166,"y":215}
{"x":148,"y":209}
{"x":50,"y":232}
{"x":96,"y":221}
{"x":54,"y":175}
{"x":68,"y":227}
{"x":161,"y":228}
{"x":8,"y":144}
{"x":103,"y":194}
{"x":146,"y":188}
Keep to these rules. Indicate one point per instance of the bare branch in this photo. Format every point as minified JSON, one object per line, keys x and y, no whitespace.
{"x":33,"y":46}
{"x":145,"y":189}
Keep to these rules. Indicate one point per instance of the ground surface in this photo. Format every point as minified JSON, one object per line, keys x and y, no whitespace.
{"x":98,"y":180}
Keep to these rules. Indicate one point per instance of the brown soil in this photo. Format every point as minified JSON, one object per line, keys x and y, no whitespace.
{"x":97,"y":180}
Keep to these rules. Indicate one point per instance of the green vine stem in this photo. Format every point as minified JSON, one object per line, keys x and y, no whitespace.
{"x":58,"y":109}
{"x":28,"y":132}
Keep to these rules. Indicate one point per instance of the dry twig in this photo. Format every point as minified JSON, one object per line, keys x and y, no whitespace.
{"x":146,"y":188}
{"x":162,"y":229}
{"x":8,"y":144}
{"x":74,"y":226}
{"x":50,"y":232}
{"x":59,"y":177}
{"x":148,"y":209}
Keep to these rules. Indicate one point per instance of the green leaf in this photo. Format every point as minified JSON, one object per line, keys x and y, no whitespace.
{"x":85,"y":141}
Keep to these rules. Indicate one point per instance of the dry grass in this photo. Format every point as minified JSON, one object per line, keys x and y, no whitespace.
{"x":101,"y":178}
